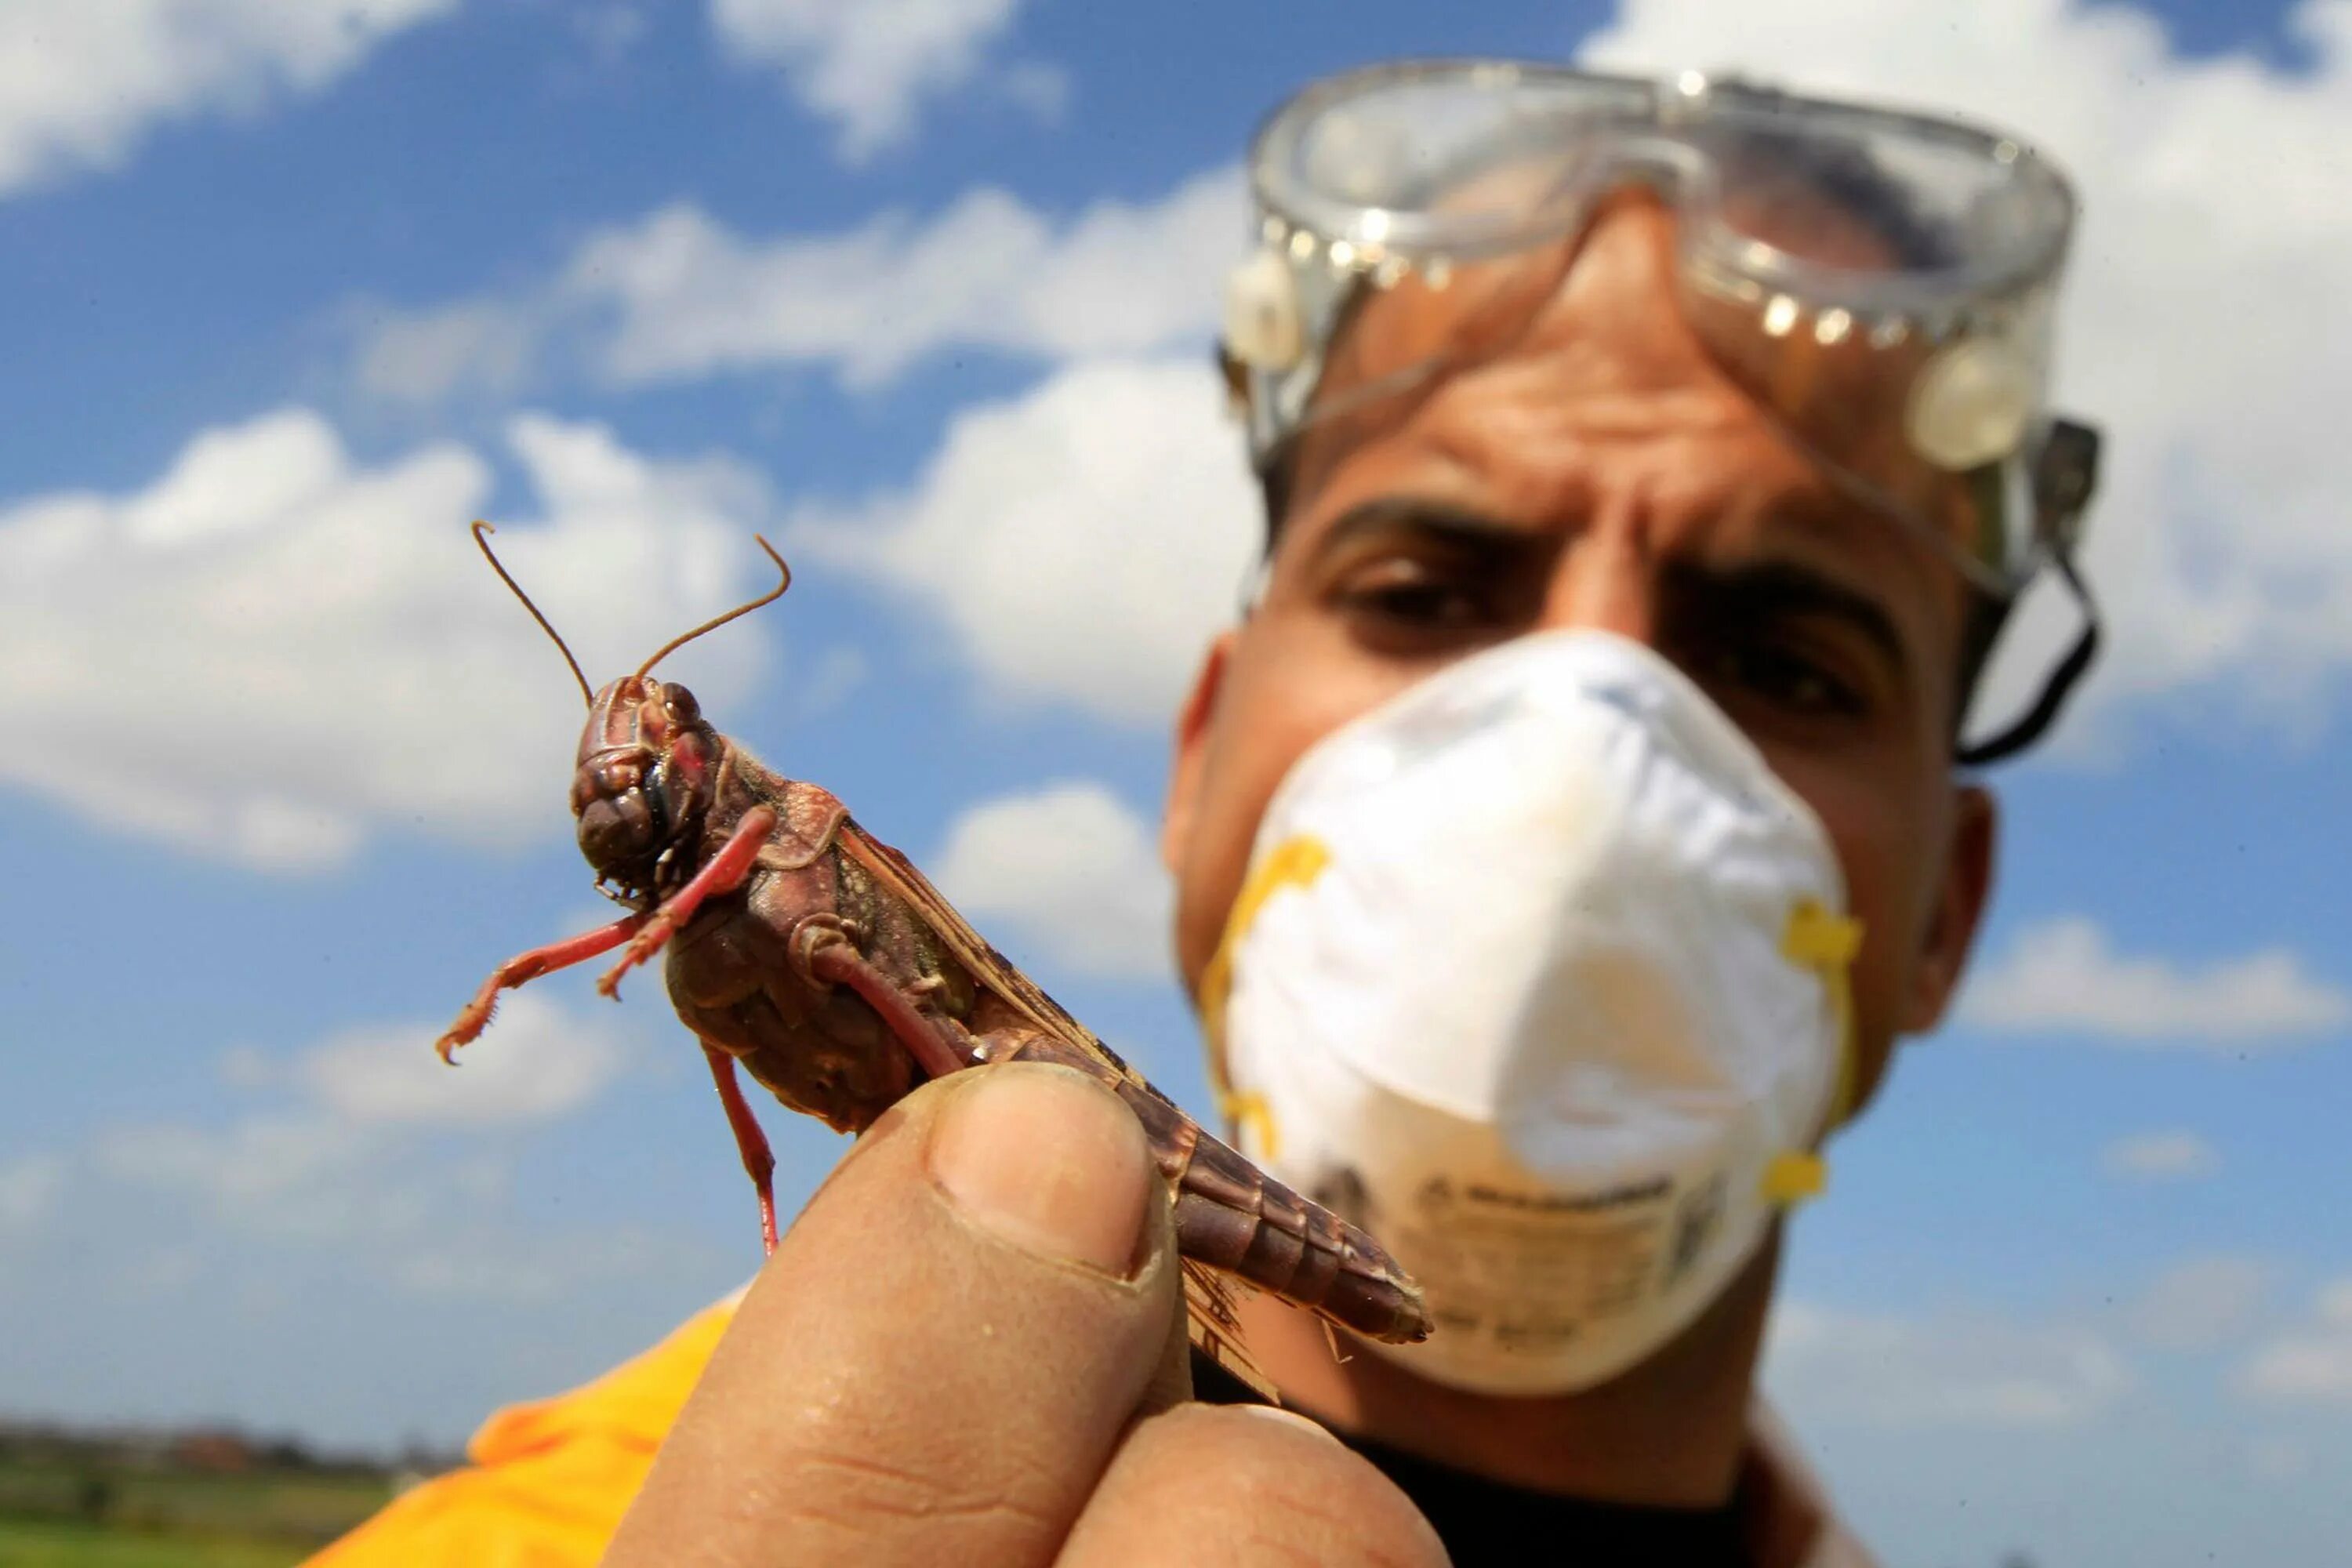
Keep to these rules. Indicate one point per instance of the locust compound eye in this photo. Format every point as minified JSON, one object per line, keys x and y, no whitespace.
{"x":617,"y":830}
{"x":683,"y":708}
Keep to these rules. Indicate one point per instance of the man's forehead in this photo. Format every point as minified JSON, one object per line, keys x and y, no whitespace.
{"x":1532,"y":303}
{"x":1554,"y":358}
{"x":1713,"y":490}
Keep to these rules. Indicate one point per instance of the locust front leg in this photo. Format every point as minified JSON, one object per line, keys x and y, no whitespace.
{"x":530,"y":965}
{"x":722,"y":873}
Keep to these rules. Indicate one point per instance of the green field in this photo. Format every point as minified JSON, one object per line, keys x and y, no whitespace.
{"x":39,"y":1544}
{"x":78,"y":1516}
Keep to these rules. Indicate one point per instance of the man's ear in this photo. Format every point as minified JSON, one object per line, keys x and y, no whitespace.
{"x":1185,"y":767}
{"x":1957,"y":913}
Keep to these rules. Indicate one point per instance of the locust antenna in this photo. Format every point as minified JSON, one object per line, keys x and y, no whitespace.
{"x":783,"y":582}
{"x":481,"y":532}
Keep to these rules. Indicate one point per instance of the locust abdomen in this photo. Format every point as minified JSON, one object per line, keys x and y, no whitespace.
{"x":1231,"y":1215}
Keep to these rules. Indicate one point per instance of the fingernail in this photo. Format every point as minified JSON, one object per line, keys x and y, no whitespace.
{"x":1288,"y":1418}
{"x":1047,"y":1161}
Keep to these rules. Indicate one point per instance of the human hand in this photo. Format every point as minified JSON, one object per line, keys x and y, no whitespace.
{"x":970,"y":1350}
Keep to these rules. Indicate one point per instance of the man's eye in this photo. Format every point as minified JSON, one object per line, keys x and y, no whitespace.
{"x":1787,"y":677}
{"x":1415,"y":596}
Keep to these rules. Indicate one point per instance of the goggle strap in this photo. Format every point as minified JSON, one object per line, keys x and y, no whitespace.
{"x":2029,"y":727}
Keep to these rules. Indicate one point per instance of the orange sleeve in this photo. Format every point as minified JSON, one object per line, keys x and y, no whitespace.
{"x":546,"y":1483}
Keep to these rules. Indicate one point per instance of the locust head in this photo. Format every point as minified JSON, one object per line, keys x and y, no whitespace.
{"x":642,"y":785}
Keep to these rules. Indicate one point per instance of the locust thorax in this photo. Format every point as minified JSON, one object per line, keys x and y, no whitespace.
{"x":641,"y":788}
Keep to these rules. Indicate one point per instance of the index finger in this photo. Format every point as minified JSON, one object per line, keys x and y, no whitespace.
{"x":938,"y":1361}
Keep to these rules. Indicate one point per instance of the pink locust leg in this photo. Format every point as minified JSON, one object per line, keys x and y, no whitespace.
{"x":723,"y":873}
{"x":530,"y":965}
{"x":839,"y":963}
{"x":758,"y":1163}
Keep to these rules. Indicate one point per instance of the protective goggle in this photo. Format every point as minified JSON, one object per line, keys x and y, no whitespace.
{"x":1836,"y":260}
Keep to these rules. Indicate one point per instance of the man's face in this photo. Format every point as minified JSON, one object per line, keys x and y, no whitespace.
{"x":1603,"y":473}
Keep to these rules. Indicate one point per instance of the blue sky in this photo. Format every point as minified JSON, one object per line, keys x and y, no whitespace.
{"x":926,"y":293}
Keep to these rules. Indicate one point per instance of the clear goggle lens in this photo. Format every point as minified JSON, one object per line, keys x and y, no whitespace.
{"x":1836,"y":259}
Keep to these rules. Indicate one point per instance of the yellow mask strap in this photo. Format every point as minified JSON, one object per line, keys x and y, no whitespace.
{"x":1825,"y":941}
{"x":1294,"y":862}
{"x":1249,"y":1112}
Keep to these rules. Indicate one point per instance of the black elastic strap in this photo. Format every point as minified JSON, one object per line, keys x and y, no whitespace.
{"x":2070,"y":670}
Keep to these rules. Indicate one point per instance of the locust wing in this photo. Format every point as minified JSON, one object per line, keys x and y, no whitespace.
{"x":1210,"y":1297}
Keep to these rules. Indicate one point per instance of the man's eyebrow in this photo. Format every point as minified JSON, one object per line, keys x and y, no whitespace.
{"x":1424,"y":517}
{"x":1755,"y":589}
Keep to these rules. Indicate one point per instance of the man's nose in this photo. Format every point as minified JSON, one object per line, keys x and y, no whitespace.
{"x":1606,"y":579}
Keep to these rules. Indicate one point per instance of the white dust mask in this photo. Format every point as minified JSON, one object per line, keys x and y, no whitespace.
{"x":1539,"y":973}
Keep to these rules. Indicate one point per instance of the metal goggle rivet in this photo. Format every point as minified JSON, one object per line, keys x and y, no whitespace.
{"x":1263,"y":329}
{"x":1970,"y":404}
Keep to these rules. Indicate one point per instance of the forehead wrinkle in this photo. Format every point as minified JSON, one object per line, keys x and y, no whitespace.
{"x":1540,"y":456}
{"x":1493,"y":427}
{"x":1606,"y":357}
{"x":1537,"y":439}
{"x":1671,"y":501}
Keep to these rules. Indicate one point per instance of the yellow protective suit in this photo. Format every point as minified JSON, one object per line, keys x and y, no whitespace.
{"x":548,"y":1481}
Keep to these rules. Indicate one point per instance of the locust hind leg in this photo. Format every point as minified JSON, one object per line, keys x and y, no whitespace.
{"x":722,"y":873}
{"x":530,"y":965}
{"x":823,"y":947}
{"x":758,"y":1161}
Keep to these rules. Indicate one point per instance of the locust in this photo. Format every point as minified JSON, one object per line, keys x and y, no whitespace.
{"x":801,"y":948}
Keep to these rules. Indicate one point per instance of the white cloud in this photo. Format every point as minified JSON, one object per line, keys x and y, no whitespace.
{"x":245,"y":1065}
{"x":29,"y":1188}
{"x":610,"y":30}
{"x":2312,"y":1364}
{"x":1083,"y":541}
{"x":2218,"y":543}
{"x":1043,"y":89}
{"x":488,"y":1266}
{"x":422,"y":356}
{"x":678,"y":295}
{"x":538,"y":1062}
{"x":2199,"y":1303}
{"x":362,"y":1174}
{"x":1070,"y":868}
{"x":273,"y":652}
{"x":82,"y":80}
{"x":2063,"y":977}
{"x":831,"y":677}
{"x":2277,"y":1460}
{"x":251,"y":1166}
{"x":2215,"y":544}
{"x":868,"y":67}
{"x":289,"y":1175}
{"x":1875,"y":1371}
{"x":354,"y":1107}
{"x":427,"y":1222}
{"x":2161,"y":1156}
{"x":692,"y":297}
